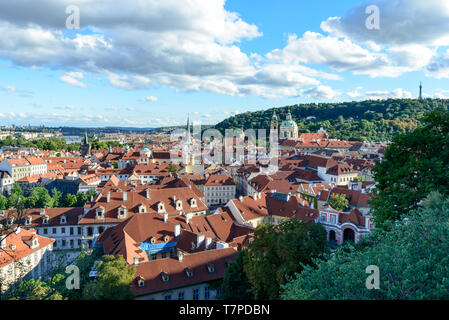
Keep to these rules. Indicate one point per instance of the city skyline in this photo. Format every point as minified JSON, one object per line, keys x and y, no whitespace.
{"x":211,"y":59}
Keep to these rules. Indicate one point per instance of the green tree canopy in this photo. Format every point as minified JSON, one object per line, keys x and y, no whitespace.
{"x":339,"y":202}
{"x":415,"y":163}
{"x":114,"y":280}
{"x":412,"y":260}
{"x":278,"y":251}
{"x":235,"y":285}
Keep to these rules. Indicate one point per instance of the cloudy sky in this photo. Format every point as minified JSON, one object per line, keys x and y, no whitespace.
{"x":148,"y":63}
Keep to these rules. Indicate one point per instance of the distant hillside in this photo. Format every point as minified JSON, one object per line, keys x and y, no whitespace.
{"x":371,"y":120}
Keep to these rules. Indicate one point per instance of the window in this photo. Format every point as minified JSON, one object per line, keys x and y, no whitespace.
{"x":196,"y":294}
{"x":62,"y":230}
{"x":163,"y":255}
{"x":181,"y":295}
{"x":219,"y":291}
{"x":71,"y":230}
{"x":54,"y":230}
{"x":45,"y":231}
{"x":154,"y":256}
{"x":207,"y":293}
{"x":168,"y":297}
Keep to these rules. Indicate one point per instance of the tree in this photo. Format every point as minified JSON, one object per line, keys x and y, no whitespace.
{"x":277,"y":252}
{"x":69,"y":200}
{"x":415,"y":163}
{"x":339,"y":202}
{"x":172,"y":168}
{"x":411,"y":256}
{"x":31,"y":289}
{"x":3,"y":203}
{"x":114,"y":280}
{"x":39,"y":198}
{"x":235,"y":283}
{"x":56,"y":196}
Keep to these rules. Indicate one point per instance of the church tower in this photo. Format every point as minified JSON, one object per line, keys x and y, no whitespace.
{"x":274,"y":121}
{"x":86,"y":147}
{"x":420,"y":91}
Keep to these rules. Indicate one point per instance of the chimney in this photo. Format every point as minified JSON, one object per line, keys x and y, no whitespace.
{"x":42,"y":212}
{"x":136,"y":261}
{"x":108,"y":197}
{"x":165,"y":217}
{"x":180,"y":256}
{"x":199,"y":239}
{"x":177,"y":230}
{"x":208,"y":242}
{"x":125,"y":196}
{"x":3,"y":242}
{"x":17,"y":231}
{"x":148,"y":194}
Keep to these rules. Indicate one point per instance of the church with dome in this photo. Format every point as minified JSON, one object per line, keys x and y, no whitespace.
{"x":288,"y":130}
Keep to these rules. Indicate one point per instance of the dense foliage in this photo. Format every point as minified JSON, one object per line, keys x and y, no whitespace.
{"x":41,"y":198}
{"x":412,"y":260}
{"x":278,"y":251}
{"x":339,"y":202}
{"x":53,"y":144}
{"x":372,"y":120}
{"x":415,"y":164}
{"x":114,"y":280}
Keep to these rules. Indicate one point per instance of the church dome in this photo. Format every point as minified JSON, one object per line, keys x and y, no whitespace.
{"x":288,"y":123}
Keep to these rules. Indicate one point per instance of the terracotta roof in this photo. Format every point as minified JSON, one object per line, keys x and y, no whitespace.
{"x":22,"y":249}
{"x":176,"y":270}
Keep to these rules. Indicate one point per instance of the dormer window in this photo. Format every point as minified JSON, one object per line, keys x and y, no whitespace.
{"x":152,"y":240}
{"x":28,"y":220}
{"x":100,"y":213}
{"x":178,"y":205}
{"x":193,"y":202}
{"x":63,"y":220}
{"x":210,"y":268}
{"x":189,"y":272}
{"x":140,"y":282}
{"x":160,"y":207}
{"x":45,"y":219}
{"x":35,"y":243}
{"x":142,"y":208}
{"x":165,"y":277}
{"x":122,"y":212}
{"x":166,"y":239}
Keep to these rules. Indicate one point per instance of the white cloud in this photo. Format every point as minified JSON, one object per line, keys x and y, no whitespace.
{"x":150,"y":99}
{"x":402,"y":22}
{"x":9,"y":89}
{"x":320,"y":93}
{"x":71,"y":78}
{"x":398,"y":93}
{"x":130,"y":108}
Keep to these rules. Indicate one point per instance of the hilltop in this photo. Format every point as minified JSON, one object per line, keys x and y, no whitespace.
{"x":370,"y":120}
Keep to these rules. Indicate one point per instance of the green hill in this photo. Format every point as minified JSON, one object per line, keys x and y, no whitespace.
{"x":371,"y":120}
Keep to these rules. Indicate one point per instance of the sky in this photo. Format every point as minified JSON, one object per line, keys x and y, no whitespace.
{"x":150,"y":63}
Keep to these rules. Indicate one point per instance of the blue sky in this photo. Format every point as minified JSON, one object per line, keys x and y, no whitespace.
{"x":153,"y":62}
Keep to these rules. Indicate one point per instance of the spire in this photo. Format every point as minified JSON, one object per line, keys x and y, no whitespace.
{"x":420,"y":91}
{"x":86,"y":140}
{"x":188,"y":129}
